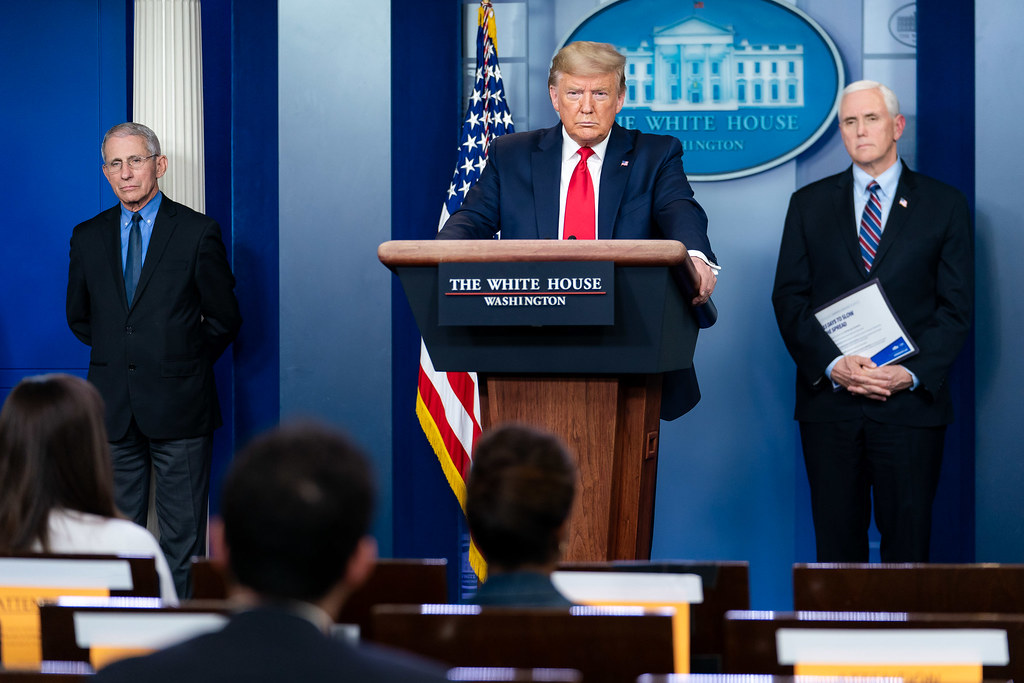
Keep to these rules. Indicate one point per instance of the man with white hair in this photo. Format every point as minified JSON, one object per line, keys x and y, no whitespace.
{"x":150,"y":291}
{"x":874,"y":433}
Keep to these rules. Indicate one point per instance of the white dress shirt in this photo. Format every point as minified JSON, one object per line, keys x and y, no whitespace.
{"x":570,"y":158}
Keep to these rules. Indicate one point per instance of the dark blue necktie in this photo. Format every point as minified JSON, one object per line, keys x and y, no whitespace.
{"x":133,"y":262}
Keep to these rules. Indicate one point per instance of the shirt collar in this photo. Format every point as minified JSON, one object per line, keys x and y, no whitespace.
{"x":306,"y":611}
{"x":148,"y":212}
{"x":570,"y":146}
{"x":887,"y":180}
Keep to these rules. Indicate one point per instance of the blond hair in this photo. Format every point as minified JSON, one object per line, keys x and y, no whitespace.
{"x":587,"y":58}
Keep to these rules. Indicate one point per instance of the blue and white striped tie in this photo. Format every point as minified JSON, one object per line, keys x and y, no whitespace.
{"x":871,"y":226}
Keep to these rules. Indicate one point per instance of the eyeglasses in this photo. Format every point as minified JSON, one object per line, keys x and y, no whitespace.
{"x":134,"y":163}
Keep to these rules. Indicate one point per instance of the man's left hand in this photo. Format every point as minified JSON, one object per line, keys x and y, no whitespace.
{"x":891,"y":378}
{"x":708,"y":280}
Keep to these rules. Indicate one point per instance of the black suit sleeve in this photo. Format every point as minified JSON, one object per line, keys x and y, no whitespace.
{"x":676,"y":212}
{"x":215,"y":284}
{"x":479,"y":217}
{"x":944,"y":334}
{"x":77,"y":305}
{"x":806,"y":341}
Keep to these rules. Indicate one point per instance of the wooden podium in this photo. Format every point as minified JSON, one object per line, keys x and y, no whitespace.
{"x":598,"y":387}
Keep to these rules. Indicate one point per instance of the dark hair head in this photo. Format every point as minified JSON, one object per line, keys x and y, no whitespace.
{"x":53,"y":454}
{"x":296,"y":502}
{"x":519,"y":493}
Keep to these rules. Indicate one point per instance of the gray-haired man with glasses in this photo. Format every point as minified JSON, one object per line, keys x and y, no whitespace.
{"x":151,"y":291}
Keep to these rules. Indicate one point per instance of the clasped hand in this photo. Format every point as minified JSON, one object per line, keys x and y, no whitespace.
{"x":859,"y":375}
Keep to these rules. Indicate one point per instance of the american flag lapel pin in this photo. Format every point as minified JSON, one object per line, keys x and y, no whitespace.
{"x":903,"y":202}
{"x":625,"y":162}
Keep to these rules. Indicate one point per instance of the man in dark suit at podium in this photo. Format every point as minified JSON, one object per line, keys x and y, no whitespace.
{"x":590,"y":178}
{"x":869,"y":432}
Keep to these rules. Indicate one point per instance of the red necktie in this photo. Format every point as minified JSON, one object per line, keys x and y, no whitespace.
{"x":580,"y":220}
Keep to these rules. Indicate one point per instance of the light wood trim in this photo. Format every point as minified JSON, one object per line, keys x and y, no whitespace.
{"x":398,"y":253}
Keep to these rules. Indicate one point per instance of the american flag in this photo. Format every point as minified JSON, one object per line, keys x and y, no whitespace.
{"x":487,"y":116}
{"x":448,"y":403}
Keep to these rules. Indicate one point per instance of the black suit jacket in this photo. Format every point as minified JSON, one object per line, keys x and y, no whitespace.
{"x":644,"y":194}
{"x":270,"y":645}
{"x":154,"y":359}
{"x":925,"y":263}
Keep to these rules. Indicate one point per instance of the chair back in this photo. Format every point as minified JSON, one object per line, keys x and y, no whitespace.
{"x":604,"y":644}
{"x":909,"y":587}
{"x":768,"y":642}
{"x":100,"y":631}
{"x":725,"y":586}
{"x":26,"y":579}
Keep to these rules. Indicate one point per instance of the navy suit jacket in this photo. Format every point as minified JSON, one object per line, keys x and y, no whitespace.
{"x":644,"y":194}
{"x":271,"y":645}
{"x":925,"y":263}
{"x":154,"y":359}
{"x":519,"y":589}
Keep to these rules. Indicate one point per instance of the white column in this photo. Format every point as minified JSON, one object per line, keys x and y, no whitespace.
{"x":706,"y":99}
{"x":168,"y":91}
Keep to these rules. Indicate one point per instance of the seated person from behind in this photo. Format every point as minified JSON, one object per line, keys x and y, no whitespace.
{"x":518,"y":500}
{"x":56,"y":481}
{"x":296,"y":511}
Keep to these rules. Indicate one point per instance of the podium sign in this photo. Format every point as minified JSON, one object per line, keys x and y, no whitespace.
{"x":654,"y":328}
{"x":526,"y":293}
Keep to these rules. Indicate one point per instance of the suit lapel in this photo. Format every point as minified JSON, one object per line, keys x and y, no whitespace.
{"x":846,"y":221}
{"x":899,"y":212}
{"x":112,"y":246}
{"x":546,"y":163}
{"x":614,"y":173}
{"x":163,"y":228}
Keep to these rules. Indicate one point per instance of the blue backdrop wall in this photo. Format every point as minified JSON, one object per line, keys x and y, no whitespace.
{"x":427,"y":516}
{"x":55,"y":110}
{"x":999,"y":243}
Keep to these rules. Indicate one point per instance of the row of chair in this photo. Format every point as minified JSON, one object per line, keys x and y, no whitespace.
{"x":724,"y":634}
{"x":726,"y":586}
{"x":963,"y":611}
{"x":416,"y":582}
{"x":952,"y":609}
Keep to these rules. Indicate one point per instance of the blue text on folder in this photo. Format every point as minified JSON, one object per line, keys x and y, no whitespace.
{"x":897,"y":349}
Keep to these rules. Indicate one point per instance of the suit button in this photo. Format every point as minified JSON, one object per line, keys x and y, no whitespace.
{"x":129,"y":329}
{"x":131,"y":367}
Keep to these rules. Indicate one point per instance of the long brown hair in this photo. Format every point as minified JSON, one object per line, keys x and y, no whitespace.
{"x":53,"y":454}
